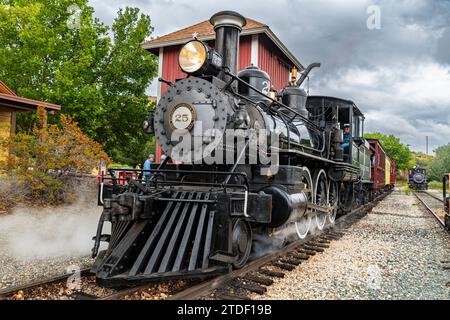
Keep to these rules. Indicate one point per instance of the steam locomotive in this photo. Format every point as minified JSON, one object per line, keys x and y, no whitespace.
{"x":417,"y":178}
{"x":197,"y":215}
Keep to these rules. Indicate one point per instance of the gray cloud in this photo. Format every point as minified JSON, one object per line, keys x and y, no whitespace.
{"x":398,"y":75}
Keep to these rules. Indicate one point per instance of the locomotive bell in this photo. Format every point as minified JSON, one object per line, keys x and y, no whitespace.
{"x":256,"y":78}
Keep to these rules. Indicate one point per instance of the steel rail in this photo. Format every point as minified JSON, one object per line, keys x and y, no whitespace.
{"x":427,"y":207}
{"x":432,"y":195}
{"x":7,"y":292}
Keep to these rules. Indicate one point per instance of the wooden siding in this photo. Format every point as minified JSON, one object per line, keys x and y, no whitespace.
{"x":245,"y":52}
{"x":270,"y":60}
{"x":5,"y":129}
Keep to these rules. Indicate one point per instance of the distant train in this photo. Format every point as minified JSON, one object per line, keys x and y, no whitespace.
{"x":417,"y":178}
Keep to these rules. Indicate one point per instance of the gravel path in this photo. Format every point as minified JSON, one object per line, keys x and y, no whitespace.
{"x":396,"y":252}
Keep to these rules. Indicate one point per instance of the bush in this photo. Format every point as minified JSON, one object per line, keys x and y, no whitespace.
{"x":44,"y":162}
{"x":436,"y":185}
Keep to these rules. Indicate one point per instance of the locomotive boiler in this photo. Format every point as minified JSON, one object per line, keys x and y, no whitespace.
{"x":247,"y":169}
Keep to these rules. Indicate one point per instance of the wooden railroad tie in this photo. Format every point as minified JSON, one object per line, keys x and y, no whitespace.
{"x":313,"y":248}
{"x":318,"y":245}
{"x":322,"y":240}
{"x":259,"y":280}
{"x":232,"y":297}
{"x":292,"y":261}
{"x":283,"y":266}
{"x":252,"y":288}
{"x":298,"y":256}
{"x":306,"y":251}
{"x":271,"y":273}
{"x":329,"y":237}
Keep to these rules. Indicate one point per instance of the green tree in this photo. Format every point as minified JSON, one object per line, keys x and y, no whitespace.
{"x":440,"y":165}
{"x":394,"y":149}
{"x":56,"y":50}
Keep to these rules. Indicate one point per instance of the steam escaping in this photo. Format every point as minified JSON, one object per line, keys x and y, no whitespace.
{"x":34,"y":233}
{"x":264,"y":244}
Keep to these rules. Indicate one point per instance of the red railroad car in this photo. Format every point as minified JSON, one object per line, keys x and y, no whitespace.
{"x":378,"y":165}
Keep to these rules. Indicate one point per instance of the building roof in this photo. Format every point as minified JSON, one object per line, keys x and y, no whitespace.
{"x":205,"y":32}
{"x":8,"y":98}
{"x":5,"y":89}
{"x":16,"y":102}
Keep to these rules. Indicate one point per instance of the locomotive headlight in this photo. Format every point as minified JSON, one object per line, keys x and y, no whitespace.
{"x":197,"y":58}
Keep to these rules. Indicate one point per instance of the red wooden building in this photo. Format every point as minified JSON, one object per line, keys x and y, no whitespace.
{"x":10,"y":104}
{"x":258,"y":46}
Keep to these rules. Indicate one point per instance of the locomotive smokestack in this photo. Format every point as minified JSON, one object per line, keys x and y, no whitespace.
{"x":228,"y":26}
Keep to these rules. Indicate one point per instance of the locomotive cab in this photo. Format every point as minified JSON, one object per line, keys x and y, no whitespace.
{"x":334,"y":114}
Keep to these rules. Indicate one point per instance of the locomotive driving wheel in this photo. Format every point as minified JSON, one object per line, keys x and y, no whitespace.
{"x":321,"y":197}
{"x":304,"y":224}
{"x":333,"y":198}
{"x":241,"y":242}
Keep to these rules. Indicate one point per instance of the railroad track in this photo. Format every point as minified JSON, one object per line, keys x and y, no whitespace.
{"x":18,"y":292}
{"x":433,"y":196}
{"x":58,"y":288}
{"x":433,"y":205}
{"x":257,"y":274}
{"x":251,"y":278}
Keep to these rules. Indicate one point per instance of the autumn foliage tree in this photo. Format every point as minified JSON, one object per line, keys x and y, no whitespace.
{"x":44,"y":161}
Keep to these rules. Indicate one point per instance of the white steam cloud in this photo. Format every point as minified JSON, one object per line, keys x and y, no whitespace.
{"x":33,"y":233}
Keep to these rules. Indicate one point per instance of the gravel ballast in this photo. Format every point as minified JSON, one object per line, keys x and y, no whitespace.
{"x":397,"y":251}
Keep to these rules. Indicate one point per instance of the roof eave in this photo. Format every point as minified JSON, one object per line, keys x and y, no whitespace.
{"x":149,"y":46}
{"x":264,"y":30}
{"x":284,"y":49}
{"x":25,"y":104}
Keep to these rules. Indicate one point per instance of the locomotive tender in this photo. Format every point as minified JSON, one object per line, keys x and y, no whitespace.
{"x":194,"y":216}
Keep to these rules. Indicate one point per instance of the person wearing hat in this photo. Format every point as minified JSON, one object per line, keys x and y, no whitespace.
{"x":346,"y":143}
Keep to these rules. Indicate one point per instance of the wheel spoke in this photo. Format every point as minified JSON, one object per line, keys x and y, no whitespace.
{"x":321,"y":192}
{"x":304,"y":224}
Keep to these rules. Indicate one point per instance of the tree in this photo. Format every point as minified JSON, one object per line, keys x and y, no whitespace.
{"x":45,"y":161}
{"x":421,"y":159}
{"x":440,"y":165}
{"x":56,"y":50}
{"x":394,"y":149}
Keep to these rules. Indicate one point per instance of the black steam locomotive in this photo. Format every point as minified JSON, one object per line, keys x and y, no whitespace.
{"x":195,"y":216}
{"x":417,"y":178}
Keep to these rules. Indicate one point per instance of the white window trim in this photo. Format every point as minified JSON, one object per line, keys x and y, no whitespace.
{"x":254,"y":53}
{"x":160,"y":70}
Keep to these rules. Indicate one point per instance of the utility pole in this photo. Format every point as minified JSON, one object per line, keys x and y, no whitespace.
{"x":427,"y":143}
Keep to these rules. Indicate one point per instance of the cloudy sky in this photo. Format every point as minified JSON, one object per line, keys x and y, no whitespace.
{"x":398,"y":74}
